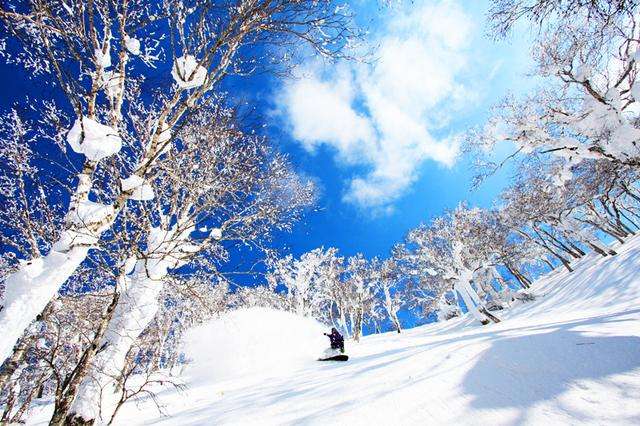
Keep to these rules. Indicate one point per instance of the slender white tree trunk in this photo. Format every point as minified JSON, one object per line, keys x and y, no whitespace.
{"x":472,"y":292}
{"x":463,"y":287}
{"x":455,"y":296}
{"x":357,"y":327}
{"x":28,"y":290}
{"x":300,"y":308}
{"x":97,"y":395}
{"x":396,"y":322}
{"x":488,"y":287}
{"x":343,"y":323}
{"x":351,"y":324}
{"x":590,"y":238}
{"x":36,"y":282}
{"x":393,"y":315}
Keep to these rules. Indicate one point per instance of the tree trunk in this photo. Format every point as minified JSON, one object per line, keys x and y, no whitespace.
{"x":70,"y":387}
{"x":26,"y":403}
{"x":562,"y":246}
{"x":396,"y":323}
{"x":135,"y":309}
{"x":628,"y":219}
{"x":470,"y":298}
{"x":630,"y":193}
{"x":388,"y":304}
{"x":14,"y":361}
{"x":357,"y":332}
{"x":28,"y":290}
{"x":549,"y":264}
{"x":609,"y":232}
{"x":343,"y":323}
{"x":542,"y":243}
{"x":597,"y":249}
{"x":522,"y":280}
{"x":577,"y":249}
{"x":486,"y":312}
{"x":588,"y":238}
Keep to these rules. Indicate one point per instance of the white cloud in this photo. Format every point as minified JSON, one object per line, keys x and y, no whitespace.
{"x":321,"y":112}
{"x":384,"y":116}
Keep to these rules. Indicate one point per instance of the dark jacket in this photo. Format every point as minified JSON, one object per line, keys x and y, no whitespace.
{"x":337,"y":341}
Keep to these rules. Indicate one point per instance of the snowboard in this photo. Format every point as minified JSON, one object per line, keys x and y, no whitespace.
{"x":335,"y":358}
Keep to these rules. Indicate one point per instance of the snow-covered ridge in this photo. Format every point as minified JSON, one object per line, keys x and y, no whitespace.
{"x":570,"y":357}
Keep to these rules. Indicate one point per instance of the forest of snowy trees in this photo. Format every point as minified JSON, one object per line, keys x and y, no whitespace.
{"x":130,"y":186}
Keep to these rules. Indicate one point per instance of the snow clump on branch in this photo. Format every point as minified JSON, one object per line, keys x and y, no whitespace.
{"x":141,"y":190}
{"x":188,"y":73}
{"x":133,"y":45}
{"x":96,"y":141}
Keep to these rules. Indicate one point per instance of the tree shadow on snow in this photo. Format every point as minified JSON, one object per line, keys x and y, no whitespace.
{"x":518,"y":372}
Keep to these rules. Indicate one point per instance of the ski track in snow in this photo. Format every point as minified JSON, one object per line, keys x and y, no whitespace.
{"x":570,"y":357}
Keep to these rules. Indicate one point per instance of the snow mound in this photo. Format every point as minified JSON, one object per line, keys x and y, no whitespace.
{"x":216,"y":233}
{"x":253,"y":341}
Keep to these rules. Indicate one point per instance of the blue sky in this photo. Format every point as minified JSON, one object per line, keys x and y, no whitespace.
{"x":380,"y":139}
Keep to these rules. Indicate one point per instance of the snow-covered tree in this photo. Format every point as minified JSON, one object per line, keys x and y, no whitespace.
{"x":587,"y":56}
{"x":387,"y":279}
{"x":50,"y":352}
{"x":563,"y":222}
{"x":305,"y":280}
{"x":260,"y":295}
{"x":237,"y":193}
{"x":446,"y":249}
{"x":361,"y":299}
{"x":97,"y":55}
{"x":334,"y":292}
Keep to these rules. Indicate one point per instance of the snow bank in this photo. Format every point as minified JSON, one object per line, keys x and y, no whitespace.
{"x":253,"y":341}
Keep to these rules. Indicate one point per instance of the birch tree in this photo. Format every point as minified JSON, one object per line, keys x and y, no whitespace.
{"x":387,"y":280}
{"x":445,"y":248}
{"x":239,"y":192}
{"x":586,"y":54}
{"x":360,"y":292}
{"x":96,"y":56}
{"x":304,"y":279}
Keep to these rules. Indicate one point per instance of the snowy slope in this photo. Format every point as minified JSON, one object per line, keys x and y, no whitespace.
{"x":570,"y":357}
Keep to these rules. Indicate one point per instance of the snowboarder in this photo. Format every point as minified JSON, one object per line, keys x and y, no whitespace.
{"x":337,"y":341}
{"x":336,"y":352}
